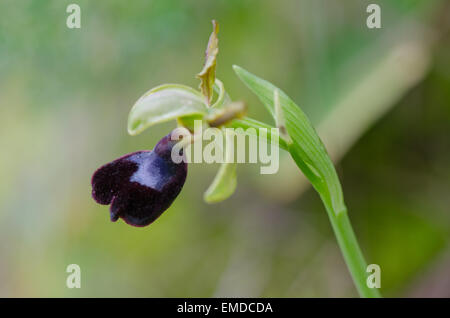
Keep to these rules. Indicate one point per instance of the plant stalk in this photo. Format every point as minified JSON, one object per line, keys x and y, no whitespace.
{"x":351,"y":251}
{"x":340,"y":223}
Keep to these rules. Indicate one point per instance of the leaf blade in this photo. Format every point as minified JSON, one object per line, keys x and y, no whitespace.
{"x":247,"y":122}
{"x":306,"y":149}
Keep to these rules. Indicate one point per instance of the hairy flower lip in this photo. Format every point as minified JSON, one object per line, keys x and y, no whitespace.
{"x":94,"y":195}
{"x":141,"y":185}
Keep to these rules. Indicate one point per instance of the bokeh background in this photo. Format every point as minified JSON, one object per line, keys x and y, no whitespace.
{"x":379,"y":98}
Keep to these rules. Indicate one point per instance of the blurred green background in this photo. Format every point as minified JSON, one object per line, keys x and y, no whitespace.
{"x":379,"y":98}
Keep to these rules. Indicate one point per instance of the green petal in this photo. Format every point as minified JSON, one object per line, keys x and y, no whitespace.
{"x":164,"y":103}
{"x":223,"y":185}
{"x":225,"y":182}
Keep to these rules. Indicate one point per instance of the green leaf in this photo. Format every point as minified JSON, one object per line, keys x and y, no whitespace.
{"x":164,"y":103}
{"x":247,"y":122}
{"x":306,"y":148}
{"x":208,"y":73}
{"x":223,"y":185}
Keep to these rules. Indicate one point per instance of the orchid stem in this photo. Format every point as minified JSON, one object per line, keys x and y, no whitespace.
{"x":351,"y":251}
